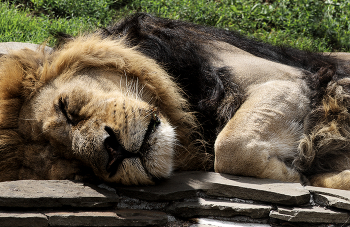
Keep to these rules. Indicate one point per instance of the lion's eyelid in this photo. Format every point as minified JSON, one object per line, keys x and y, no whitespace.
{"x":62,"y":107}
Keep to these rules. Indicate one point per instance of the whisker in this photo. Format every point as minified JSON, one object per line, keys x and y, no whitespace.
{"x":141,"y":90}
{"x":120,"y":82}
{"x":136,"y":88}
{"x":146,"y":115}
{"x":149,"y":101}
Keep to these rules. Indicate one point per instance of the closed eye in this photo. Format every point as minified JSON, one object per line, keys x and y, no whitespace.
{"x":62,"y":107}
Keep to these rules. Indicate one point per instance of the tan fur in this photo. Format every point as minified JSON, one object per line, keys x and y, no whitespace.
{"x":337,"y":180}
{"x":262,"y":138}
{"x":106,"y":84}
{"x":264,"y":133}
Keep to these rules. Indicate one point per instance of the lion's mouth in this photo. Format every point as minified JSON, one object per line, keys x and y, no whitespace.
{"x":117,"y":153}
{"x":115,"y":157}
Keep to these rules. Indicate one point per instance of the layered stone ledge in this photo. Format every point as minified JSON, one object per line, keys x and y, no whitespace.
{"x":53,"y":194}
{"x":188,"y":198}
{"x":188,"y":184}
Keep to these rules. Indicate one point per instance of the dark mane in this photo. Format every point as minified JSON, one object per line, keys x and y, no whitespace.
{"x":146,"y":30}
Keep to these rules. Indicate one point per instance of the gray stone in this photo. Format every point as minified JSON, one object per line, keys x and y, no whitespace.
{"x":10,"y":46}
{"x":15,"y":219}
{"x":219,"y":208}
{"x":341,"y":55}
{"x":179,"y":186}
{"x":266,"y":190}
{"x":206,"y":222}
{"x":142,"y":217}
{"x":342,"y":194}
{"x":310,"y":215}
{"x":327,"y":200}
{"x":188,"y":184}
{"x":53,"y":193}
{"x":107,"y":218}
{"x":137,"y":204}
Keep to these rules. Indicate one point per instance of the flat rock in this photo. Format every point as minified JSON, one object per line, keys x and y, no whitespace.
{"x":219,"y":208}
{"x":327,"y":200}
{"x":107,"y":218}
{"x":187,"y":185}
{"x":331,"y":197}
{"x":53,"y":193}
{"x":207,"y":222}
{"x":342,"y":194}
{"x":341,"y":55}
{"x":14,"y":219}
{"x":310,"y":215}
{"x":10,"y":46}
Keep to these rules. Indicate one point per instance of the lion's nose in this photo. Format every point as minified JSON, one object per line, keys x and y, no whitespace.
{"x":116,"y":151}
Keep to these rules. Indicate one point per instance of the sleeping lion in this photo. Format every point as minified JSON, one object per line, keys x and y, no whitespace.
{"x":133,"y":102}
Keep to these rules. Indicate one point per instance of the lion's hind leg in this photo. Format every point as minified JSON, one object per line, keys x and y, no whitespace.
{"x":261,"y":139}
{"x":337,"y":180}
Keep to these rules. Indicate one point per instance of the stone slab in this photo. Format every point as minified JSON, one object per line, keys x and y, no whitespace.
{"x":107,"y":218}
{"x":187,"y":185}
{"x":206,"y":222}
{"x":9,"y":46}
{"x":311,"y":215}
{"x":16,"y":219}
{"x":341,"y":55}
{"x":220,"y":208}
{"x":331,"y":201}
{"x":53,"y":193}
{"x":342,"y":194}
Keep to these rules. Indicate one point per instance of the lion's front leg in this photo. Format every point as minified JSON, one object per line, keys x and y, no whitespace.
{"x":261,"y":140}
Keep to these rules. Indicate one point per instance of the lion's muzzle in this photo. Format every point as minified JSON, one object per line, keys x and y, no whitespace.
{"x":117,"y":153}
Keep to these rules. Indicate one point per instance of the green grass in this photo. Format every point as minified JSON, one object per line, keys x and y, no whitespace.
{"x":308,"y":24}
{"x":19,"y":26}
{"x":318,"y":25}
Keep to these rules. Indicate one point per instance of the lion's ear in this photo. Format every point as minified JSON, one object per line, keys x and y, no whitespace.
{"x":20,"y":73}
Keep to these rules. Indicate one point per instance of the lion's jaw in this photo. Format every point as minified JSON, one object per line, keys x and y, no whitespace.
{"x":120,"y":135}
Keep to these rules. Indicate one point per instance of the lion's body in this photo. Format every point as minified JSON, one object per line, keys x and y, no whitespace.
{"x":108,"y":106}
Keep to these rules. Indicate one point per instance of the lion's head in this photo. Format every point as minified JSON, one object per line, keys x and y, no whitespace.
{"x":93,"y":104}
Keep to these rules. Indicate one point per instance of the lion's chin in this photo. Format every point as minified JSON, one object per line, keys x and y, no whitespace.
{"x":152,"y":165}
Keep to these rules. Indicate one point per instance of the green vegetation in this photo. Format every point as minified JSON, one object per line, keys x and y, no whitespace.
{"x":318,"y":25}
{"x":17,"y":25}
